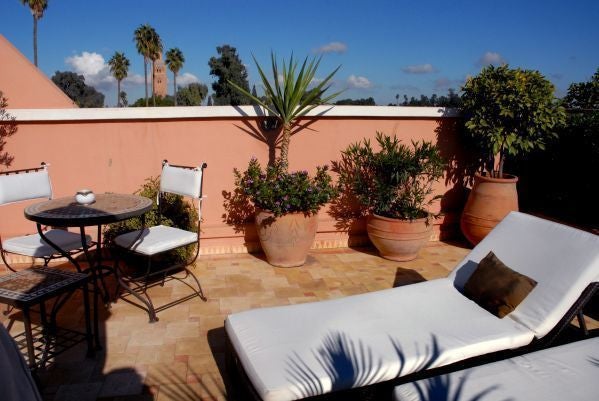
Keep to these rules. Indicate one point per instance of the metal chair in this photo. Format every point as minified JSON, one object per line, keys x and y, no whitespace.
{"x":28,"y":184}
{"x":150,"y":242}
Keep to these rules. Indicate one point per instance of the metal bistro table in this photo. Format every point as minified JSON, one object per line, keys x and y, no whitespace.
{"x":66,"y":212}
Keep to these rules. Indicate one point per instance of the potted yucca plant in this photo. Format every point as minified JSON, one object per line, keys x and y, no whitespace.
{"x":287,"y":202}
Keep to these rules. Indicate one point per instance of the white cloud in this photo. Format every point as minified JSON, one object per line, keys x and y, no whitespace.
{"x":332,"y":47}
{"x":186,"y":79}
{"x":419,"y":69}
{"x":94,"y":69}
{"x":358,"y":82}
{"x":134,"y":79}
{"x":491,"y":58}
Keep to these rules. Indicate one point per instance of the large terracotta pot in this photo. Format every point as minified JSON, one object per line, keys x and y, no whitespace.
{"x":490,"y":200}
{"x":286,"y":240}
{"x":398,"y":239}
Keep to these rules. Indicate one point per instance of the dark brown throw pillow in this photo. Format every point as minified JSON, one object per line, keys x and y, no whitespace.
{"x":496,"y":287}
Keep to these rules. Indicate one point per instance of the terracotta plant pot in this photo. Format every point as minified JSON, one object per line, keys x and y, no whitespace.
{"x":398,"y":239}
{"x":490,"y":200}
{"x":286,"y":240}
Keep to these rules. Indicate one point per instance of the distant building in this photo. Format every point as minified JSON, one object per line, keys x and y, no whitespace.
{"x":160,"y":77}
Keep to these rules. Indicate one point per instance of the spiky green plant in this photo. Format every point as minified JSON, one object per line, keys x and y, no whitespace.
{"x":288,"y":96}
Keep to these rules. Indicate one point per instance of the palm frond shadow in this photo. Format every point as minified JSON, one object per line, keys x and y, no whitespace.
{"x":179,"y":388}
{"x":350,"y":364}
{"x":594,"y":361}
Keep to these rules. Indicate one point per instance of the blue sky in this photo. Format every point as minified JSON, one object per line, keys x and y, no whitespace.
{"x":384,"y":47}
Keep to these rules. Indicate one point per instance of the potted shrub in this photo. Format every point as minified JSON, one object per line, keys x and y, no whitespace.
{"x":507,"y":112}
{"x":394,"y":185}
{"x":286,"y":202}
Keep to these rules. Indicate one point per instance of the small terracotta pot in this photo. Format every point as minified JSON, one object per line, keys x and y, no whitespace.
{"x":286,"y":240}
{"x":490,"y":200}
{"x":398,"y":239}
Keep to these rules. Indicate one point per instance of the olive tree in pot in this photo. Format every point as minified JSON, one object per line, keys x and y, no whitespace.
{"x":395,"y":186}
{"x":507,"y":112}
{"x":287,"y":203}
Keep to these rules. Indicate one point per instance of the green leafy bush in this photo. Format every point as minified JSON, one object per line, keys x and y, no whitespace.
{"x":509,"y":112}
{"x":394,"y":182}
{"x":176,"y":212}
{"x":279,"y":191}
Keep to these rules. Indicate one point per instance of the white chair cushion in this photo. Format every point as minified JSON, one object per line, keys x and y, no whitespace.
{"x":156,"y":239}
{"x":293,"y":352}
{"x":568,"y":372}
{"x":181,"y":181}
{"x":23,"y":186}
{"x":33,"y":245}
{"x":563,"y":261}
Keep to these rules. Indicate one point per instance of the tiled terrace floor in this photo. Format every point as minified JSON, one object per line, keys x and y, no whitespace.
{"x":181,"y":357}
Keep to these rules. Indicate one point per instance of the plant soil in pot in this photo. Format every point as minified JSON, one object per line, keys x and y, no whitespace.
{"x":286,"y":239}
{"x":490,"y":200}
{"x":398,"y":239}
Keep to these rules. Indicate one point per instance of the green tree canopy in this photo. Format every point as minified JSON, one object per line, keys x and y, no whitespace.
{"x":356,"y":102}
{"x":74,"y":86}
{"x":509,"y":112}
{"x":192,"y":94}
{"x":160,"y":101}
{"x":228,"y":68}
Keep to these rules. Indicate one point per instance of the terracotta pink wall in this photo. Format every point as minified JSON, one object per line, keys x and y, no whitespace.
{"x":117,"y":155}
{"x":24,"y":85}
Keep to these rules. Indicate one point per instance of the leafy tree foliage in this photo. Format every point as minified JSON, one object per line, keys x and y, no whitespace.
{"x":149,"y":45}
{"x":558,"y":181}
{"x":209,"y":101}
{"x":509,"y":112}
{"x":8,"y":128}
{"x":159,"y":101}
{"x":452,"y":99}
{"x":228,"y":68}
{"x":37,"y":8}
{"x":123,"y":99}
{"x":74,"y":86}
{"x":356,"y":102}
{"x":192,"y":94}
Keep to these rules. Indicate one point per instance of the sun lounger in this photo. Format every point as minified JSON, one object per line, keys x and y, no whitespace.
{"x":567,"y":372}
{"x":299,"y":351}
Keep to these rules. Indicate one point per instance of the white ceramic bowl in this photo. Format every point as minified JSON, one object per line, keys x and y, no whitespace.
{"x":85,"y":196}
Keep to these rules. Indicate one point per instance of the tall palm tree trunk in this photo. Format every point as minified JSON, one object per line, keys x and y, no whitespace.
{"x":175,"y":86}
{"x":153,"y":93}
{"x":35,"y":40}
{"x":118,"y":93}
{"x":146,"y":78}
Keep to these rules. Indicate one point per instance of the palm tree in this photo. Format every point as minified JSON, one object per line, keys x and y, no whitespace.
{"x":37,"y":8}
{"x":155,"y":45}
{"x":119,"y":67}
{"x":174,"y":61}
{"x":140,"y":37}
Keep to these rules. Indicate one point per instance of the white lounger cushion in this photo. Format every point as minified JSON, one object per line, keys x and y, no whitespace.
{"x":282,"y":349}
{"x":33,"y":245}
{"x":563,"y":261}
{"x":156,"y":239}
{"x":568,"y":372}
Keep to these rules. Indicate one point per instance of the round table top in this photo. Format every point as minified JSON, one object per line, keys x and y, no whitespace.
{"x":108,"y":208}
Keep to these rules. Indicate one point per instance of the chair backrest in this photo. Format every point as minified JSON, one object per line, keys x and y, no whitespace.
{"x":181,"y":180}
{"x":25,"y":184}
{"x":563,"y":260}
